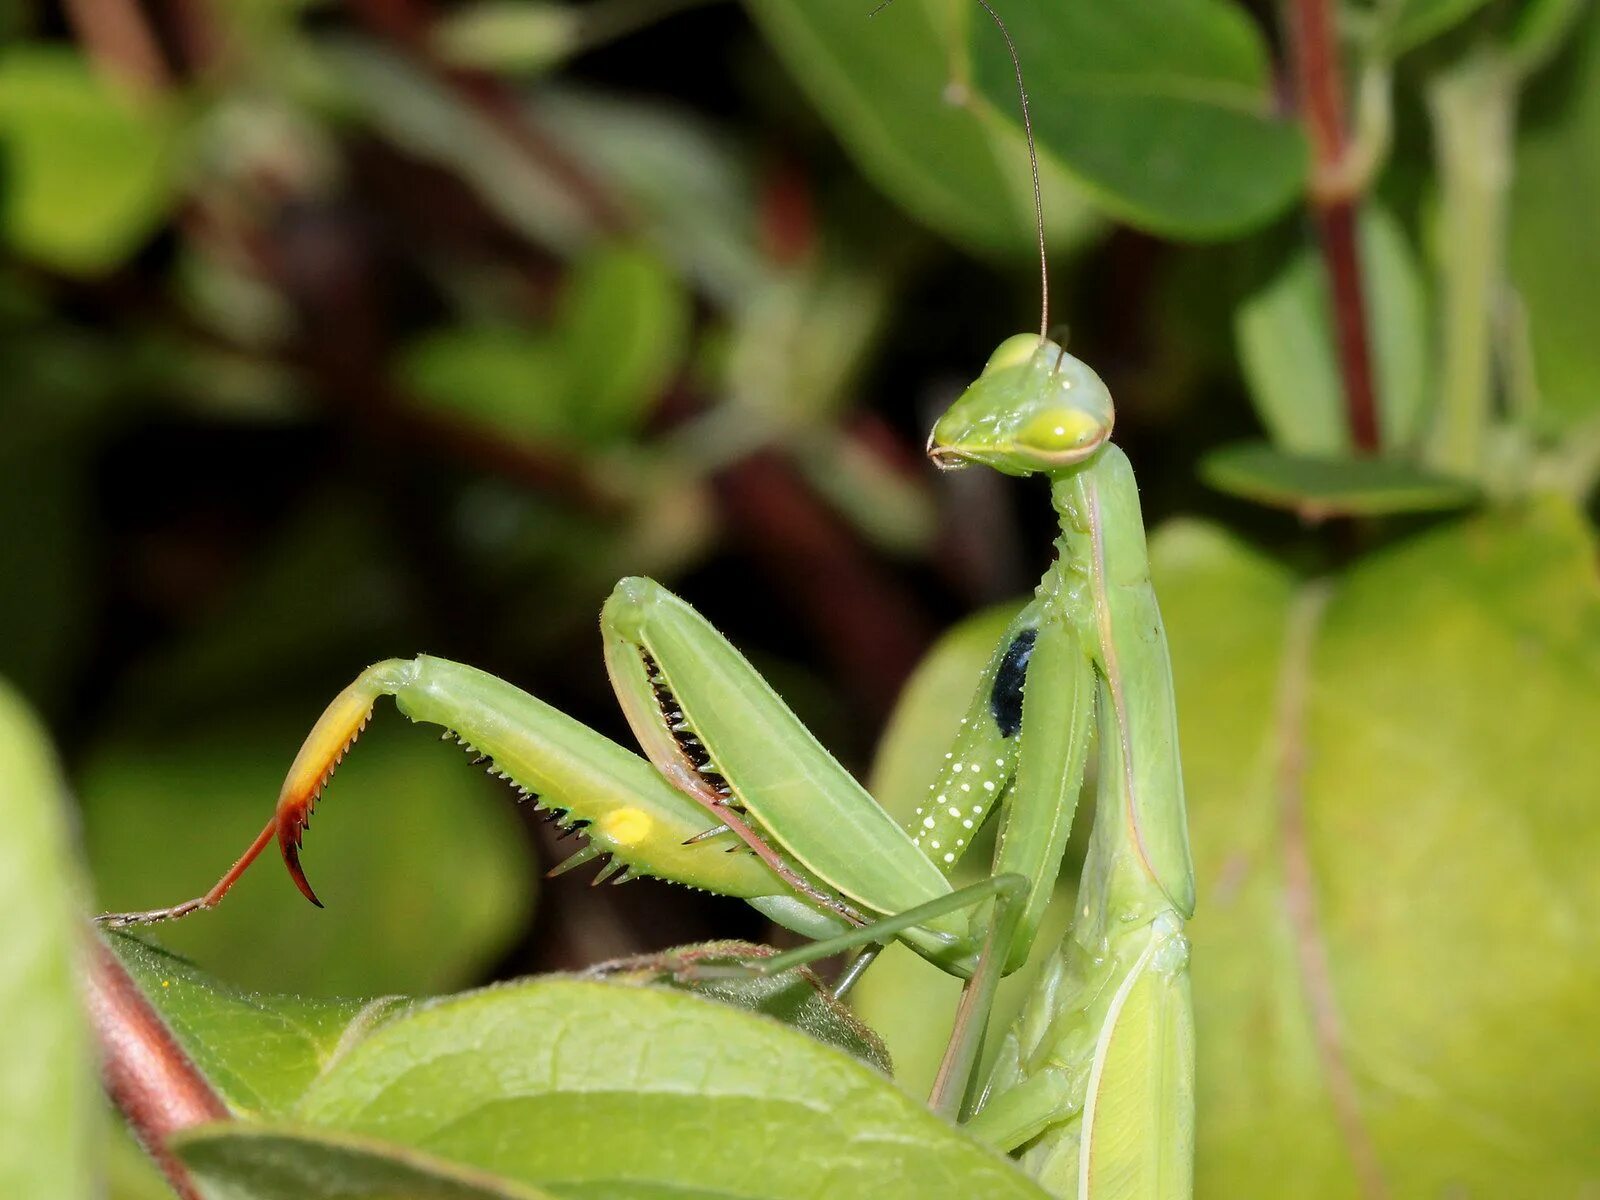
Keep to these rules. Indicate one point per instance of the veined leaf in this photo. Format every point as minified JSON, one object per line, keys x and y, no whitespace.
{"x":1162,"y":109}
{"x":1396,"y":970}
{"x":594,"y":1089}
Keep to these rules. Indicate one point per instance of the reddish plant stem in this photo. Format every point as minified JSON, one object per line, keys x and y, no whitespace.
{"x":147,"y":1074}
{"x":1314,"y":54}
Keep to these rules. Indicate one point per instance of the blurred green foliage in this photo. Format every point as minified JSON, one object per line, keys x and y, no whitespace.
{"x":336,"y":331}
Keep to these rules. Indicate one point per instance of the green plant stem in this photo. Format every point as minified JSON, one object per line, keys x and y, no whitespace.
{"x":1473,"y":110}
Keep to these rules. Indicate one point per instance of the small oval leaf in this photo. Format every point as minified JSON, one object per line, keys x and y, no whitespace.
{"x":1319,"y":487}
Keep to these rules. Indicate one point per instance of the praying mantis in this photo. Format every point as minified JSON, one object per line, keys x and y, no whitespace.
{"x":1093,"y":1084}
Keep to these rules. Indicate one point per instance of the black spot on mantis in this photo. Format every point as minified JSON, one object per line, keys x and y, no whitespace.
{"x":1005,"y":698}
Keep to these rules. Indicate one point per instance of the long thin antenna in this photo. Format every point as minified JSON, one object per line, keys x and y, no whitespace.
{"x":1033,"y":161}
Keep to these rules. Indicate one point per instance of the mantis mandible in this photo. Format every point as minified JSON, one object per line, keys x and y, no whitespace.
{"x":1094,"y":1083}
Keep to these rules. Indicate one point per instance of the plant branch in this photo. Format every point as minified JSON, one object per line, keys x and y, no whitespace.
{"x":147,"y":1074}
{"x":1335,"y":197}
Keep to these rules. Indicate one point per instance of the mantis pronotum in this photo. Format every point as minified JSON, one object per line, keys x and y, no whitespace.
{"x":1094,"y":1082}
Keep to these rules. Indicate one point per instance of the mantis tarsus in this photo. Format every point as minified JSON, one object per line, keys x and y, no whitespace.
{"x":1094,"y":1082}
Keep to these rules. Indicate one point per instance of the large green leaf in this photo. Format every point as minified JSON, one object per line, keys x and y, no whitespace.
{"x":260,"y":1051}
{"x":1390,"y":777}
{"x":1286,"y":343}
{"x":86,"y":169}
{"x":1163,"y":108}
{"x":593,"y":1089}
{"x":892,"y":92}
{"x":263,"y":1162}
{"x":47,"y":1085}
{"x":423,"y":866}
{"x":1554,"y":242}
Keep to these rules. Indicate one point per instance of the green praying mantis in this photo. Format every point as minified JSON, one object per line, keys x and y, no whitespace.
{"x":1093,"y":1084}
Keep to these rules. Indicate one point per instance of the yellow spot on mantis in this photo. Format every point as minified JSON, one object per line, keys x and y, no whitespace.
{"x":625,"y":826}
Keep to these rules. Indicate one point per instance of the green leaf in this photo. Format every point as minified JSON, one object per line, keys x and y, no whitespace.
{"x":1412,"y":22}
{"x":495,"y":36}
{"x":48,"y":1091}
{"x":260,"y":1051}
{"x":796,"y":998}
{"x":1286,"y":343}
{"x":1554,"y":244}
{"x":1388,"y":770}
{"x":86,"y":169}
{"x":890,"y":89}
{"x":263,"y":1162}
{"x":596,"y":1089}
{"x":622,"y":329}
{"x":510,"y":381}
{"x":1318,"y":487}
{"x":589,"y":380}
{"x":1162,"y":109}
{"x":411,"y":849}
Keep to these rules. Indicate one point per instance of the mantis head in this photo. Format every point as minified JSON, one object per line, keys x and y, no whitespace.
{"x":1034,"y":408}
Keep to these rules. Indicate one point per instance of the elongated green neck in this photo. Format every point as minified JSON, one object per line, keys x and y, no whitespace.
{"x":1139,"y":857}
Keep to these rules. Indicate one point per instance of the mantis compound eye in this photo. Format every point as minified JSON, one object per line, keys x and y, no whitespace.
{"x":1061,"y":430}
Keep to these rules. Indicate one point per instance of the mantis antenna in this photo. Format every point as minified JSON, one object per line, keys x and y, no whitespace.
{"x":1033,"y":161}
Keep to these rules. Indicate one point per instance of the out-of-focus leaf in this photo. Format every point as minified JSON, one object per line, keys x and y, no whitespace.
{"x":587,"y":380}
{"x":623,"y":327}
{"x":593,"y":1088}
{"x":1395,"y":962}
{"x":239,"y":1161}
{"x":690,"y":193}
{"x":1554,"y":242}
{"x":1162,"y":109}
{"x":891,"y":507}
{"x":86,"y":169}
{"x":496,"y":36}
{"x":423,"y":867}
{"x":892,"y":91}
{"x":513,"y":381}
{"x":1286,"y":343}
{"x":1317,"y":487}
{"x":260,"y":1051}
{"x":1411,"y":22}
{"x":798,"y":344}
{"x":422,"y":117}
{"x":47,"y":1084}
{"x":796,"y":998}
